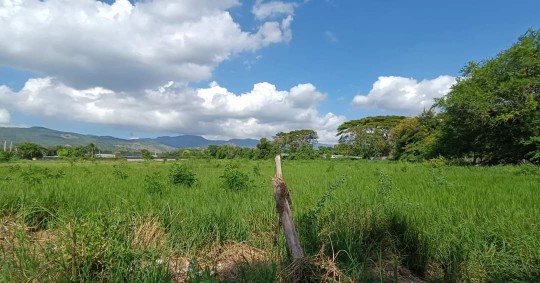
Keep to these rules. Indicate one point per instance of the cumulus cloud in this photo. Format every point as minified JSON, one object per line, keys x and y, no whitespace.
{"x":272,"y":9}
{"x":124,"y":46}
{"x":4,"y":117}
{"x":131,"y":65}
{"x":404,"y":95}
{"x":176,"y":107}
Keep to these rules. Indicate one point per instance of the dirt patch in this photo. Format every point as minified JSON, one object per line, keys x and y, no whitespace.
{"x":233,"y":256}
{"x":43,"y":237}
{"x":8,"y":228}
{"x":224,"y":263}
{"x":179,"y":268}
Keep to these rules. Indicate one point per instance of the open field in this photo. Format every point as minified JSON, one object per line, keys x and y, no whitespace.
{"x":114,"y":221}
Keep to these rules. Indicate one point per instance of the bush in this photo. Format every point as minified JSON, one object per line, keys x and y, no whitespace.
{"x":118,"y":172}
{"x":5,"y":156}
{"x":234,"y":179}
{"x":153,"y":185}
{"x":182,"y":175}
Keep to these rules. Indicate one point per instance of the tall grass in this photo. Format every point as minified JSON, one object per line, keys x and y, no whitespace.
{"x":84,"y":221}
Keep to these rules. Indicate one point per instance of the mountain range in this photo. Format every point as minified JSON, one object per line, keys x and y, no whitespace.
{"x":47,"y":137}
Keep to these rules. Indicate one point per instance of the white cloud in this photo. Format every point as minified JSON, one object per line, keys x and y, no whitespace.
{"x":131,"y":65}
{"x":404,"y":95}
{"x":124,"y":46}
{"x":212,"y":111}
{"x":4,"y":117}
{"x":272,"y":9}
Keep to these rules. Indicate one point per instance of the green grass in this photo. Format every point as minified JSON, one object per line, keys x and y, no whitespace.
{"x":63,"y":222}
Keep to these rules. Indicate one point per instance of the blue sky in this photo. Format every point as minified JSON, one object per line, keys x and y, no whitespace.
{"x":259,"y":68}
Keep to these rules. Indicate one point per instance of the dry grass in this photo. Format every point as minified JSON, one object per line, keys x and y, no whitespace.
{"x":229,"y":260}
{"x":9,"y":238}
{"x":149,"y":234}
{"x":224,"y":262}
{"x":317,"y":268}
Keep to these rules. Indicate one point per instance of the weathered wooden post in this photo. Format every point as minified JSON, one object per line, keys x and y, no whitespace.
{"x":283,"y":206}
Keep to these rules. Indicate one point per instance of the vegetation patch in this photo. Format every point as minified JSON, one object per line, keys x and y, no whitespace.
{"x":234,"y":179}
{"x":180,"y":174}
{"x":149,"y":234}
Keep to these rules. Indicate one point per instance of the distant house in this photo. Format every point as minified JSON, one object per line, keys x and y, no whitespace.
{"x":337,"y":156}
{"x":49,"y":157}
{"x":105,"y":155}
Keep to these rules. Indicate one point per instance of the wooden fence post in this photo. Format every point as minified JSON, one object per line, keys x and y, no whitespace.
{"x":283,"y":206}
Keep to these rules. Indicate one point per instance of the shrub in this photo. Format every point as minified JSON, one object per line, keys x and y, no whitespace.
{"x":182,"y":175}
{"x":119,"y":173}
{"x":5,"y":156}
{"x":234,"y":179}
{"x":257,"y":170}
{"x":153,"y":184}
{"x":31,"y":176}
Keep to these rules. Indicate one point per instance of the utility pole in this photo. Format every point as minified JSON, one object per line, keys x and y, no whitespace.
{"x":10,"y":146}
{"x":5,"y":143}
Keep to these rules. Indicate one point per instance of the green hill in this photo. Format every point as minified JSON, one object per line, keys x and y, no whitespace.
{"x":47,"y":137}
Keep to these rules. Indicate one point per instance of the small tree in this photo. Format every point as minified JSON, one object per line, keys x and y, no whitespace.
{"x":5,"y":156}
{"x":29,"y":150}
{"x":182,"y":175}
{"x":146,"y":155}
{"x":234,"y":179}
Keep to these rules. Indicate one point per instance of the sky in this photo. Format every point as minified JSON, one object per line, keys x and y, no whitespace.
{"x":239,"y":69}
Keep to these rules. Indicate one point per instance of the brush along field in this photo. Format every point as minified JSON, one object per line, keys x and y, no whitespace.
{"x":358,"y":221}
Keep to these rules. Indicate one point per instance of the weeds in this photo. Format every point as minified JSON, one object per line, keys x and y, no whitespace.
{"x":31,"y":176}
{"x":234,"y":179}
{"x":257,"y":170}
{"x":119,"y":172}
{"x":153,"y":184}
{"x":385,"y":185}
{"x":181,"y":175}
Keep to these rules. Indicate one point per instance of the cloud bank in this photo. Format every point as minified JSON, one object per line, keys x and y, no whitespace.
{"x":404,"y":95}
{"x":175,"y":107}
{"x":4,"y":117}
{"x":122,"y":46}
{"x":131,"y":65}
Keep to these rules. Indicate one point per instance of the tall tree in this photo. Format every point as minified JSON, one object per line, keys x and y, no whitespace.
{"x":29,"y":150}
{"x":295,"y":141}
{"x":416,"y":138}
{"x":367,"y":137}
{"x":492,"y":112}
{"x":264,"y":149}
{"x":146,"y":154}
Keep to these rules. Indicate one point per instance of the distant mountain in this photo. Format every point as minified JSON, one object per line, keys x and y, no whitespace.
{"x":48,"y":137}
{"x":198,"y":141}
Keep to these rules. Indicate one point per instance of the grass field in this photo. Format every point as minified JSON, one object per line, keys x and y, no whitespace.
{"x":384,"y":222}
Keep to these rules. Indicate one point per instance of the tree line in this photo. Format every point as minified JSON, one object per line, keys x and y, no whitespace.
{"x":28,"y":150}
{"x":490,"y":116}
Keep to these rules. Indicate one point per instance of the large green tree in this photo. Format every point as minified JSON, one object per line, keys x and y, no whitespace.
{"x":416,"y":138}
{"x":367,"y":137}
{"x":146,"y":154}
{"x":295,"y":141}
{"x":264,"y":149}
{"x":29,"y":150}
{"x":492,"y":112}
